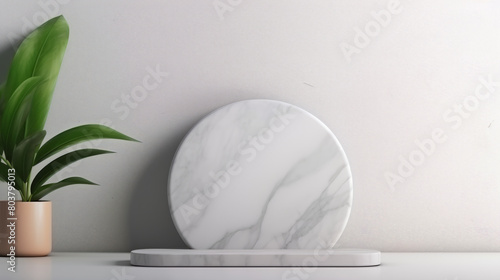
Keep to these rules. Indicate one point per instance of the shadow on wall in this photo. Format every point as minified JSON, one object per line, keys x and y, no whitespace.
{"x":6,"y":55}
{"x":151,"y":224}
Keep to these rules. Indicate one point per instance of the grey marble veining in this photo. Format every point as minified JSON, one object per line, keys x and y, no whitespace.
{"x":260,"y":174}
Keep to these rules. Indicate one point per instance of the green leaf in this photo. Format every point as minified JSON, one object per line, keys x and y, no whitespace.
{"x":40,"y":54}
{"x":3,"y":99}
{"x":4,"y":169}
{"x":59,"y":163}
{"x":2,"y":92}
{"x":15,"y":114}
{"x":24,"y":154}
{"x":2,"y":106}
{"x":46,"y":189}
{"x":76,"y":135}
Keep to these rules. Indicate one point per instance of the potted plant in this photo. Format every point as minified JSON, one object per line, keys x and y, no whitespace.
{"x":25,"y":97}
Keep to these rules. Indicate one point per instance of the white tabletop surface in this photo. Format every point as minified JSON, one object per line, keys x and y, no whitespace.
{"x":116,"y":266}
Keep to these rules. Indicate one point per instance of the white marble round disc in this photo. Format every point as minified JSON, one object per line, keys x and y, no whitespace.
{"x":260,"y":174}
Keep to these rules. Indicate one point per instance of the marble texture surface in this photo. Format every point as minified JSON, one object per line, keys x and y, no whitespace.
{"x":260,"y":258}
{"x":260,"y":174}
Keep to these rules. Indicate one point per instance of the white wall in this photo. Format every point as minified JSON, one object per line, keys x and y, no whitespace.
{"x":379,"y":100}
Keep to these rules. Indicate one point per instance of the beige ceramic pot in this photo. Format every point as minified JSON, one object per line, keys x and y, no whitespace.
{"x":32,"y":229}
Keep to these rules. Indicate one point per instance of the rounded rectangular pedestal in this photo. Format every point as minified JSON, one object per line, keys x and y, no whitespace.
{"x":256,"y":258}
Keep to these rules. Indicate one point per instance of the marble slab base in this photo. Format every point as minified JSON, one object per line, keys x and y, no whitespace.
{"x":255,"y":258}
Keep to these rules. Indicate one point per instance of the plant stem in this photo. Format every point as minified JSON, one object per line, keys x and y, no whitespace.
{"x":28,"y":188}
{"x":23,"y":192}
{"x":6,"y":162}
